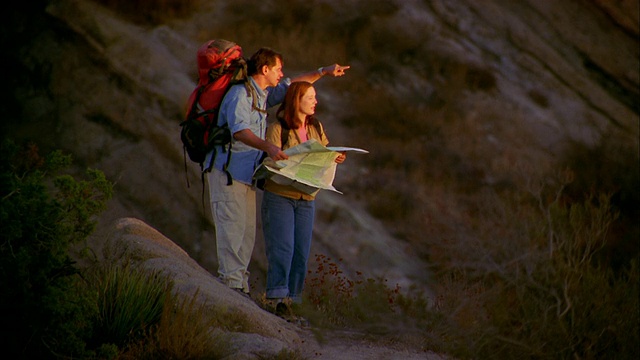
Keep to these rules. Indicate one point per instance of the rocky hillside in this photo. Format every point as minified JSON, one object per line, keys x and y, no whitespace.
{"x":530,"y":79}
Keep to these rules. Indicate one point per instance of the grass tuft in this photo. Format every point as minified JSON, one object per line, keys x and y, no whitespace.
{"x":187,"y":330}
{"x":130,"y":301}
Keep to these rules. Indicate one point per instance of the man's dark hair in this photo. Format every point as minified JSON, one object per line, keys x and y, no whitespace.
{"x":264,"y":56}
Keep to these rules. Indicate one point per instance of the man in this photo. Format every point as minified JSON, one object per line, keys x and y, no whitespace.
{"x":233,"y":198}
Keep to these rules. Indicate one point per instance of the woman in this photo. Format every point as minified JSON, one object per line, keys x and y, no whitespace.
{"x":287,"y":213}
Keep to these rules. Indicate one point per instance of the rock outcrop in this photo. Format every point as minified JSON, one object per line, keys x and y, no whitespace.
{"x":131,"y":240}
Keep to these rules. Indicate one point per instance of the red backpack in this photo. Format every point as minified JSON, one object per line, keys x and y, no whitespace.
{"x":220,"y":65}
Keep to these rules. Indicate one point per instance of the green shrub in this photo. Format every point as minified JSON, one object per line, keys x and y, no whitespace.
{"x":46,"y":306}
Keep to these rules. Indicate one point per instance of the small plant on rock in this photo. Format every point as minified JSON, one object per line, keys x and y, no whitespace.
{"x":335,"y":300}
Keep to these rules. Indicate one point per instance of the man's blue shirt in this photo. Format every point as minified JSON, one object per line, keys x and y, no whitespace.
{"x":237,"y":111}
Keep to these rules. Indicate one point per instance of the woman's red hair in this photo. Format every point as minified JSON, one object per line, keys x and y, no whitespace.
{"x":289,"y":108}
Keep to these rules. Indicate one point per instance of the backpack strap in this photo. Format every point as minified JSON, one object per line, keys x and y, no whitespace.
{"x":225,"y":167}
{"x":186,"y":173}
{"x":191,"y":113}
{"x":226,"y":164}
{"x":284,"y":134}
{"x":251,"y":92}
{"x":204,"y":209}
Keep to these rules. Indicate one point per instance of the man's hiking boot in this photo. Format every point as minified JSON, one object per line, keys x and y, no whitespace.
{"x":283,"y":310}
{"x":243,"y":293}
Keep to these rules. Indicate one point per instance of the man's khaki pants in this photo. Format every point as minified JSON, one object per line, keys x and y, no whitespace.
{"x":234,"y":214}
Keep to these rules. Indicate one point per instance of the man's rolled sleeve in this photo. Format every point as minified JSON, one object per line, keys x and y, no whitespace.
{"x":276,"y":93}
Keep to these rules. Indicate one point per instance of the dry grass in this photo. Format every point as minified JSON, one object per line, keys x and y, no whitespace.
{"x":530,"y":286}
{"x":188,"y":330}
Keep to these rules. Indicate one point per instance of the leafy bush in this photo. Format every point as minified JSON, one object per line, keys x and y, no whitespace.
{"x":46,"y":306}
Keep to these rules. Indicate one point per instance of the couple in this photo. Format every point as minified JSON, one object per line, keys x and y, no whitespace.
{"x":287,"y":214}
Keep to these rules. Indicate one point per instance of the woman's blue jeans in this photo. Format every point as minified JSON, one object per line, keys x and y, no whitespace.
{"x":287,"y":225}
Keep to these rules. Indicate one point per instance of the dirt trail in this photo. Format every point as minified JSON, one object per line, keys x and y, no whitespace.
{"x":349,"y":345}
